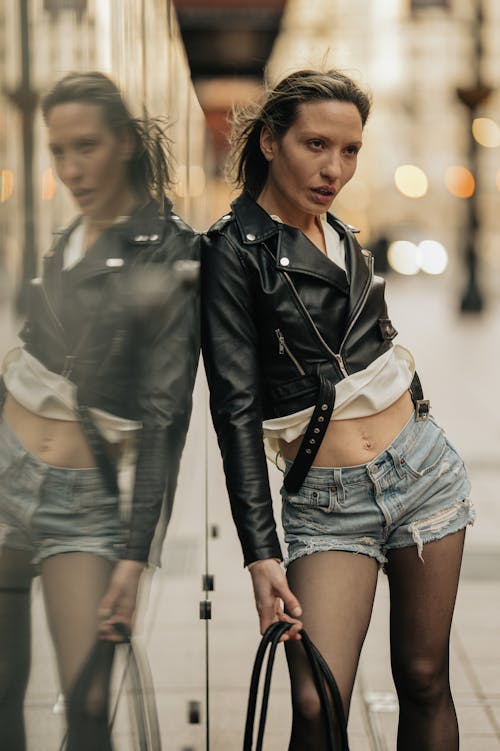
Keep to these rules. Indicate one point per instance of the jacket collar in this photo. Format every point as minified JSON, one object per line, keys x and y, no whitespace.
{"x":145,"y":227}
{"x":293,"y":251}
{"x":254,"y":224}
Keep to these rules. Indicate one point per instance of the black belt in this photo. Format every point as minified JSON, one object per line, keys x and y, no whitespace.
{"x":3,"y":393}
{"x":313,"y":436}
{"x":98,"y":447}
{"x":318,"y":424}
{"x":422,"y":406}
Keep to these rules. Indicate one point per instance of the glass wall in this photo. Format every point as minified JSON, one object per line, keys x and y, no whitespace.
{"x":138,"y":43}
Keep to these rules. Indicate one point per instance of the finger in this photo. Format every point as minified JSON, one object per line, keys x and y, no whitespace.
{"x":294,"y":631}
{"x":267,"y":615}
{"x":107,"y":604}
{"x":290,"y":603}
{"x":115,"y":629}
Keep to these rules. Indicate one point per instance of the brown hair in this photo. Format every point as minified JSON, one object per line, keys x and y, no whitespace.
{"x":149,"y":169}
{"x":247,"y":165}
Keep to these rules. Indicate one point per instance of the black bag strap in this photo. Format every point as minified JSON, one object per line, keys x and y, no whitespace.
{"x":329,"y":695}
{"x":137,"y":674}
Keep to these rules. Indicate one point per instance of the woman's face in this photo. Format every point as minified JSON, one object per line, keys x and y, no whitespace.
{"x":315,"y":158}
{"x":90,"y":158}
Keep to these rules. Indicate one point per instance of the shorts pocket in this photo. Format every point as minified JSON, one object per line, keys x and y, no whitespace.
{"x":324,"y":499}
{"x":426,"y":454}
{"x":91,"y":494}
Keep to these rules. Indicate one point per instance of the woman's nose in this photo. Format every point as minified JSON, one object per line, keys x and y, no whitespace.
{"x":69,"y":169}
{"x":332,"y":166}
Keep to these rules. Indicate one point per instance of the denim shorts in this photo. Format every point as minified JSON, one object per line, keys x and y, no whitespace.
{"x":415,"y":491}
{"x":48,"y":510}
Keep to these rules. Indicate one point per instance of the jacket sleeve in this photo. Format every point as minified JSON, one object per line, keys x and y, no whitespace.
{"x":230,"y":354}
{"x":168,"y":353}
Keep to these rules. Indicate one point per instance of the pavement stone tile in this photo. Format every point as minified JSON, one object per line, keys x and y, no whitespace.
{"x":479,"y":742}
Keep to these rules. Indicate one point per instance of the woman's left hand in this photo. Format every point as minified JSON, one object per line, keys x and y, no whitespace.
{"x":118,"y":604}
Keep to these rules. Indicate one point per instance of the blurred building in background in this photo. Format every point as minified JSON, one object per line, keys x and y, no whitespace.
{"x":138,"y":44}
{"x":429,"y":170}
{"x":420,"y":168}
{"x":428,"y":180}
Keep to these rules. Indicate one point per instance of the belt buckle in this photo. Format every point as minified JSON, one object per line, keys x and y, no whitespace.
{"x":422,"y":409}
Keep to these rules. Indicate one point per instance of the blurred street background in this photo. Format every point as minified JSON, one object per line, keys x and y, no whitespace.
{"x":426,"y":198}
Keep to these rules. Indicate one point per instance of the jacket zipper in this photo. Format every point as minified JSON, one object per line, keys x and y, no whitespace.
{"x":336,"y":355}
{"x":114,"y":348}
{"x":283,"y":347}
{"x":361,"y":304}
{"x":51,"y":309}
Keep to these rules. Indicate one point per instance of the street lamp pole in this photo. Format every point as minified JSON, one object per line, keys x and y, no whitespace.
{"x":472,"y":299}
{"x":26,"y":101}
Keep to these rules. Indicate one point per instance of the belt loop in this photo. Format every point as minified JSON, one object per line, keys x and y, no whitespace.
{"x":397,"y":461}
{"x":339,"y":485}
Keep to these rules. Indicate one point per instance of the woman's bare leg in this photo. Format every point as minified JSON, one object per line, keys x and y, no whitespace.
{"x":422,"y":603}
{"x":73,"y":585}
{"x":336,"y":590}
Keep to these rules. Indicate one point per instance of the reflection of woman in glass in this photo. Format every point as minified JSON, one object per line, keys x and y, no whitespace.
{"x":110,"y":354}
{"x":298,"y":347}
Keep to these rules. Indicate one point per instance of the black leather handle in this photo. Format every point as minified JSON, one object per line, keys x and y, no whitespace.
{"x":329,"y":695}
{"x":135,"y":680}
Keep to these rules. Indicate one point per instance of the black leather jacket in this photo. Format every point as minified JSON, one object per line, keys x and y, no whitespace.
{"x":277,"y":315}
{"x":123,"y":325}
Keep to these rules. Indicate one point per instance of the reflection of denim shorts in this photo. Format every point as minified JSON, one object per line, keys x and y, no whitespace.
{"x":415,"y":491}
{"x":47,"y":510}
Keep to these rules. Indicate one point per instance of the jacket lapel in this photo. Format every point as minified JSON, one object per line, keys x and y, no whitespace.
{"x":297,"y":254}
{"x":358,"y":269}
{"x":105,"y":255}
{"x":117,"y":245}
{"x":294,"y":252}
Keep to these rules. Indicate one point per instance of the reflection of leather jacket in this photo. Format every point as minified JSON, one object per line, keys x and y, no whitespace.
{"x":123,"y":326}
{"x":277,"y":318}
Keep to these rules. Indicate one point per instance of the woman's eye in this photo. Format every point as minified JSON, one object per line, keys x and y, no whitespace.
{"x":352,"y":150}
{"x":315,"y":143}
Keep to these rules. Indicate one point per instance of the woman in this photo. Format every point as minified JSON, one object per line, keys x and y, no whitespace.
{"x":298,"y":347}
{"x":109,"y":360}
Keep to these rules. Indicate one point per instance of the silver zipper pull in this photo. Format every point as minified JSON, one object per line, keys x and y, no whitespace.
{"x":341,"y":363}
{"x":281,"y":340}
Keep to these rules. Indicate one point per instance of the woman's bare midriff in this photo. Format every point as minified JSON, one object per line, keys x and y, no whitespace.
{"x":357,"y":441}
{"x":60,"y":443}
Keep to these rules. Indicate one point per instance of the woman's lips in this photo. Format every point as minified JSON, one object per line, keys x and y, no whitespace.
{"x":83,"y":196}
{"x":323,"y":195}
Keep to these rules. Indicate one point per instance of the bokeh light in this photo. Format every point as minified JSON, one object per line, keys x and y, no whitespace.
{"x":6,"y":184}
{"x":411,"y":181}
{"x":433,"y":258}
{"x":403,"y":257}
{"x":48,"y":184}
{"x":460,"y":181}
{"x":486,"y":132}
{"x":409,"y":258}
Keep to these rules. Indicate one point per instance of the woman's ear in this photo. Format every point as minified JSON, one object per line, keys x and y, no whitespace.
{"x":267,"y":143}
{"x":127,"y":145}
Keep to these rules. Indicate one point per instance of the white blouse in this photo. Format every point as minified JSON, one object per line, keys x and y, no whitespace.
{"x":359,"y":395}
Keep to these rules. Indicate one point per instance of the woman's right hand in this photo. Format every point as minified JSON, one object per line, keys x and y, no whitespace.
{"x":273,"y":598}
